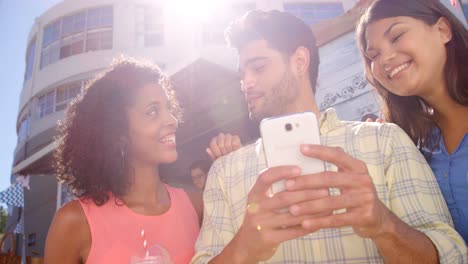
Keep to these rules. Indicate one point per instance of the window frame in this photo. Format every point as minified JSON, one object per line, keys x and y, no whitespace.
{"x":30,"y":58}
{"x":72,"y":31}
{"x":150,"y":32}
{"x":58,"y":104}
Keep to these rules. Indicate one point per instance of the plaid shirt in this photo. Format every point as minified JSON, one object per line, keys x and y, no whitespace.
{"x":402,"y":178}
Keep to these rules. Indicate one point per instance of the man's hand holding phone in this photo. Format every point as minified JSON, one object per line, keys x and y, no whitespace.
{"x":288,"y":202}
{"x":364,"y":211}
{"x":263,"y":228}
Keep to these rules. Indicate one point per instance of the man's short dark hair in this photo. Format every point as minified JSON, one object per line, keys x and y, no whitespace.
{"x":283,"y":31}
{"x":203,"y":165}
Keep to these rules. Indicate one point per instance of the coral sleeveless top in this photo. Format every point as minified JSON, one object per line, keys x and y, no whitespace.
{"x":116,"y":230}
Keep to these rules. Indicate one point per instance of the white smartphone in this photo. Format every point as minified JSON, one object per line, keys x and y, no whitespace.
{"x":282,"y":137}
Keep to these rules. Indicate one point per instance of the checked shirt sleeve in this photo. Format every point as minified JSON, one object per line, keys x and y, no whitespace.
{"x":415,"y":197}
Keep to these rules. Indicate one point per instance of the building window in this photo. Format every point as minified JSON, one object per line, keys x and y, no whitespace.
{"x":100,"y":17}
{"x":58,"y":99}
{"x":51,"y":33}
{"x":312,"y":13}
{"x":68,"y":36}
{"x":72,"y":45}
{"x":51,"y":43}
{"x":65,"y":94}
{"x":150,"y":26}
{"x":99,"y":40}
{"x":73,"y":24}
{"x":24,"y":129}
{"x":46,"y":104}
{"x":30,"y":59}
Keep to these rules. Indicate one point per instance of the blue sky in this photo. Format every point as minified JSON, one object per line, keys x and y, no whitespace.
{"x":16,"y":19}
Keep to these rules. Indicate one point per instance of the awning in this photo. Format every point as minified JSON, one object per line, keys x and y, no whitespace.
{"x":33,"y":158}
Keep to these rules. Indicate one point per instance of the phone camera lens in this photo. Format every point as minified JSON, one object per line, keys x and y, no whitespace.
{"x":288,"y":127}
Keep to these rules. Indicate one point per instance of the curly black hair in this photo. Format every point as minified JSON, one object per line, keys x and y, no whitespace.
{"x":89,"y":158}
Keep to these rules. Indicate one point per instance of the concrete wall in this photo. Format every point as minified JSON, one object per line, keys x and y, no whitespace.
{"x":39,"y":206}
{"x":341,"y":83}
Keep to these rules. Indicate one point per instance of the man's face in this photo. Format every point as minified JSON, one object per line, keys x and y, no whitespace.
{"x":198,"y":178}
{"x":269,"y":86}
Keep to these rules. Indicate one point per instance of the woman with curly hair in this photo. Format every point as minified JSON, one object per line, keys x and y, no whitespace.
{"x":112,"y":141}
{"x":416,"y":55}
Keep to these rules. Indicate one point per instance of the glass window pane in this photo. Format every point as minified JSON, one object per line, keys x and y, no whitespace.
{"x":92,"y":42}
{"x":93,"y":18}
{"x":46,"y":104}
{"x":41,"y":103}
{"x":24,"y":129}
{"x":56,"y":31}
{"x":73,"y":24}
{"x":106,"y":39}
{"x":77,"y":47}
{"x":30,"y":59}
{"x":79,"y":22}
{"x":74,"y":91}
{"x":100,"y":17}
{"x":65,"y":51}
{"x":50,"y":98}
{"x":45,"y":57}
{"x":65,"y":34}
{"x":51,"y":33}
{"x":50,"y":101}
{"x":107,"y":16}
{"x":65,"y":94}
{"x":50,"y":54}
{"x":54,"y":52}
{"x":465,"y":10}
{"x":153,"y":26}
{"x":61,"y":96}
{"x":46,"y":37}
{"x":60,"y":107}
{"x":67,"y":25}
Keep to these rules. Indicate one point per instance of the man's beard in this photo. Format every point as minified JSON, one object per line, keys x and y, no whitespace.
{"x":281,"y":96}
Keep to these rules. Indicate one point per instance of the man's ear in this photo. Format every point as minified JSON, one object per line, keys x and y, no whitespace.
{"x":301,"y":61}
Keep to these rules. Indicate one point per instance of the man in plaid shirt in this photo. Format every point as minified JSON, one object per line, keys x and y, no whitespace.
{"x":391,"y":209}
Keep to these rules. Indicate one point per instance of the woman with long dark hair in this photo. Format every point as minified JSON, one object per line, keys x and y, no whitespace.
{"x":416,"y":55}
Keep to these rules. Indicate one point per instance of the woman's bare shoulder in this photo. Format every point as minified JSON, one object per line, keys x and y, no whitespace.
{"x":69,"y":237}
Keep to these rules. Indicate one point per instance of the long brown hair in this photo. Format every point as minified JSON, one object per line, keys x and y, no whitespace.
{"x":412,"y":113}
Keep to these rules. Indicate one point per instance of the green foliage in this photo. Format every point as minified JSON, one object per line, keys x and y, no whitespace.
{"x":3,"y":219}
